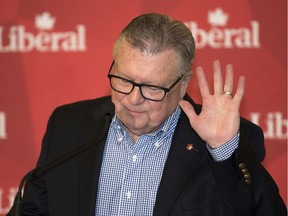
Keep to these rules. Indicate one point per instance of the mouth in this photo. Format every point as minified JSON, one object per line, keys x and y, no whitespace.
{"x":134,"y":112}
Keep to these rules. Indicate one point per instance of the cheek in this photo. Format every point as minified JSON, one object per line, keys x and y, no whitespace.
{"x":117,"y":100}
{"x":169,"y":106}
{"x":158,"y":113}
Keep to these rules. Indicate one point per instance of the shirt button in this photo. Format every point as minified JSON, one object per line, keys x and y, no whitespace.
{"x":134,"y":158}
{"x":120,"y":139}
{"x":157,"y":144}
{"x":129,"y":194}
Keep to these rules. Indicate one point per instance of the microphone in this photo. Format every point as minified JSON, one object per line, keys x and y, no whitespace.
{"x":106,"y":110}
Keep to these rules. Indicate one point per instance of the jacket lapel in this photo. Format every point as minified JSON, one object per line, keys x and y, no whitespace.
{"x":183,"y":156}
{"x":90,"y":164}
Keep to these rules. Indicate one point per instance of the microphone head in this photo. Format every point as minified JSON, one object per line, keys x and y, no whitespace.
{"x":107,"y":109}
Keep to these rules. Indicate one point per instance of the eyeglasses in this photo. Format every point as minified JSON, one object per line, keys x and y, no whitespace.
{"x":149,"y":92}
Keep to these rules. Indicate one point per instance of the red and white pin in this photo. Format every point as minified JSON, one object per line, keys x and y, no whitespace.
{"x":189,"y":146}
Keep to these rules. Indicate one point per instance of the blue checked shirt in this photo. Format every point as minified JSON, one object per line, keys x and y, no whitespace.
{"x":131,"y":172}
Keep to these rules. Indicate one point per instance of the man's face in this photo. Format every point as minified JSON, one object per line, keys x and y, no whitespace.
{"x":140,"y":115}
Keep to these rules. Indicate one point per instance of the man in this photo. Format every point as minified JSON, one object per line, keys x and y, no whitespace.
{"x":163,"y":154}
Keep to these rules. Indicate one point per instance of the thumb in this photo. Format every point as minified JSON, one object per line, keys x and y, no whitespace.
{"x":188,"y":110}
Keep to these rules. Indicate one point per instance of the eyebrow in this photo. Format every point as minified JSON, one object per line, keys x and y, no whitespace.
{"x":129,"y":78}
{"x":118,"y":73}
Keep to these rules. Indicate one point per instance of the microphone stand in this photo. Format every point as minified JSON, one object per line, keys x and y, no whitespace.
{"x":38,"y":171}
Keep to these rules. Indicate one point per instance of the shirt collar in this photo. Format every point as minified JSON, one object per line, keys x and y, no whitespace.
{"x":164,"y":127}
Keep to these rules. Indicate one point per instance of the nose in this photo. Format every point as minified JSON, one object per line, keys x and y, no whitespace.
{"x":135,"y":96}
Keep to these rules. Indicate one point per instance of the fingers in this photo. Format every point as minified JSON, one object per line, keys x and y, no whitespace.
{"x":218,"y":81}
{"x":240,"y":90}
{"x":202,"y":82}
{"x":221,"y":88}
{"x":228,"y":86}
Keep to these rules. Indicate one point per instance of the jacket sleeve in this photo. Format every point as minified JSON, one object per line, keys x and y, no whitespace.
{"x":246,"y":187}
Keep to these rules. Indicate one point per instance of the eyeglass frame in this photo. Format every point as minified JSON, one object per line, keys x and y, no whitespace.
{"x":139,"y":85}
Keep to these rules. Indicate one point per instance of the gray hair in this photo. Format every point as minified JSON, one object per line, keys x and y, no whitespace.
{"x":154,"y":33}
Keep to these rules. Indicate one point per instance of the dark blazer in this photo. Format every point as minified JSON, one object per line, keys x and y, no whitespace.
{"x":192,"y":183}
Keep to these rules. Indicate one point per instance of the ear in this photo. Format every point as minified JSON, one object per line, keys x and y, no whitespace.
{"x":184,"y":84}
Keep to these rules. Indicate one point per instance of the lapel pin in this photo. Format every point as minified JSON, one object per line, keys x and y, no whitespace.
{"x":189,"y":147}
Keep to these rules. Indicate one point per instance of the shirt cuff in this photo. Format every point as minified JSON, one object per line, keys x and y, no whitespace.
{"x":224,"y":151}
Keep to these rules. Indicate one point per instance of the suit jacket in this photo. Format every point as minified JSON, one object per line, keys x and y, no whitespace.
{"x":192,"y":183}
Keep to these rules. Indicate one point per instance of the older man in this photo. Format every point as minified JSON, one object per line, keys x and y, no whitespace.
{"x":163,"y":154}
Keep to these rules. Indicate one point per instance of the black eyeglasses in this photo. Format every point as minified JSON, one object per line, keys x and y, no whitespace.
{"x":149,"y":92}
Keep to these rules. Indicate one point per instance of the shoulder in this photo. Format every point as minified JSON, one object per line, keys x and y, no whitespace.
{"x":254,"y":135}
{"x":73,"y":115}
{"x":84,"y":105}
{"x":70,"y":124}
{"x":80,"y":109}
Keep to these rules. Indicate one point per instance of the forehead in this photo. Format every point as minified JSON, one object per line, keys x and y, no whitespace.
{"x":133,"y":63}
